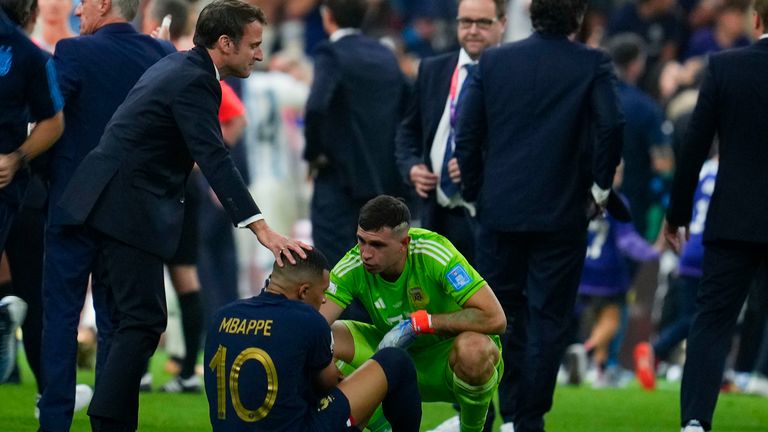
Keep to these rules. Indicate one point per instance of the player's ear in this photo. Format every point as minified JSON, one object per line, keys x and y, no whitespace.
{"x":303,"y":290}
{"x":405,"y":242}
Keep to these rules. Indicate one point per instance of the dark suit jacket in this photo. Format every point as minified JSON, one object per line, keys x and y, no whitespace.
{"x":131,"y":186}
{"x":733,"y":104}
{"x":540,"y":122}
{"x":95,"y":74}
{"x":354,"y":107}
{"x":416,"y":133}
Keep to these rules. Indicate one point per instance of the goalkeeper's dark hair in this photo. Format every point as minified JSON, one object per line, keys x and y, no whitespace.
{"x":384,"y":211}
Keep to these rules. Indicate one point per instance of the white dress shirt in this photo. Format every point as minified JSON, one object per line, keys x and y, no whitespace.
{"x":437,"y":153}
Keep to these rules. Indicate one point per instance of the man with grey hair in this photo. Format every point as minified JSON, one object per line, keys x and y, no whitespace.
{"x":95,"y":72}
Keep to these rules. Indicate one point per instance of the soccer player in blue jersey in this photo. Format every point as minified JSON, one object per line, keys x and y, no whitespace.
{"x":269,"y":364}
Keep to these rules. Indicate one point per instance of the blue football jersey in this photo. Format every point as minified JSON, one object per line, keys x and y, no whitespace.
{"x":261,"y":357}
{"x":693,"y":251}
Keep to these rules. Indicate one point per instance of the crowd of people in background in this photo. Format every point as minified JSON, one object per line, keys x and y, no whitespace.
{"x":286,"y":127}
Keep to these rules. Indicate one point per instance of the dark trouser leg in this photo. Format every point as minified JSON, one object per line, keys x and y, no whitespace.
{"x":135,"y":279}
{"x":686,"y":288}
{"x":728,"y":272}
{"x":24,"y":248}
{"x":192,"y":323}
{"x":334,"y":231}
{"x":554,"y":268}
{"x":69,"y":257}
{"x":505,"y":269}
{"x":457,"y":226}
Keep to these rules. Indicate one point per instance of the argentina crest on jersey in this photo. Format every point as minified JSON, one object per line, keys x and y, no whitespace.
{"x":6,"y":59}
{"x":418,"y":298}
{"x":458,"y":277}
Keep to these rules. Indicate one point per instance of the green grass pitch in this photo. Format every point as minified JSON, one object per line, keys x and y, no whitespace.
{"x":575,"y":410}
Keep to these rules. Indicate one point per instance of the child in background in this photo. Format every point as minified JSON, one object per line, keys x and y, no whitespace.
{"x":687,"y":284}
{"x":604,"y":284}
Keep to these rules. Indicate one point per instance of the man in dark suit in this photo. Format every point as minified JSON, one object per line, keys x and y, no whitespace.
{"x":425,"y":139}
{"x":352,"y":114}
{"x":130,"y":191}
{"x":733,"y":104}
{"x":95,"y":72}
{"x":540,"y":125}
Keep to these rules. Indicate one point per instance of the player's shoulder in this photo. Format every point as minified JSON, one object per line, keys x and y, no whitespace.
{"x":348,"y":265}
{"x":430,"y":248}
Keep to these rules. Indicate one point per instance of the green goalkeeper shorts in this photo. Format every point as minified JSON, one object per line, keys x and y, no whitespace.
{"x":432,"y":368}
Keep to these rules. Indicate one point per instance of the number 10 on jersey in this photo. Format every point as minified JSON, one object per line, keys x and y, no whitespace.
{"x":218,"y":365}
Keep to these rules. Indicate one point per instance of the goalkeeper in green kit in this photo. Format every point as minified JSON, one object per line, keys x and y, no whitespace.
{"x":423,"y":296}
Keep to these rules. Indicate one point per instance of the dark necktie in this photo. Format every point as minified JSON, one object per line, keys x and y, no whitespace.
{"x":446,"y":184}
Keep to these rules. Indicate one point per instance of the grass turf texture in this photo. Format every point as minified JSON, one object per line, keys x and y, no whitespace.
{"x":576,"y":409}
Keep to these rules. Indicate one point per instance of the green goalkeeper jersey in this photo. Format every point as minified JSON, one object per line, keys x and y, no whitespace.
{"x":436,"y":277}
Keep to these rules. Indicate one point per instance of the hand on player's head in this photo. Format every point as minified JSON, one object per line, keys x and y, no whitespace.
{"x":306,"y":280}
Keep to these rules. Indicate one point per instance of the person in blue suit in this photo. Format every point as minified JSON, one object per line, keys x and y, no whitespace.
{"x":354,"y":106}
{"x":95,"y":71}
{"x":129,"y":191}
{"x":732,"y":105}
{"x":425,"y":138}
{"x":537,"y":143}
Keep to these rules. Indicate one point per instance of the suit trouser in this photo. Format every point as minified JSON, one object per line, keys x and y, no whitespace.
{"x":70,"y":254}
{"x":456,"y":225}
{"x":535,"y":275}
{"x":334,"y":217}
{"x":729,"y":268}
{"x":217,"y":265}
{"x":134,"y":281}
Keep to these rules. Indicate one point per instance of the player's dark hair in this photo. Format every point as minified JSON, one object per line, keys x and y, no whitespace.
{"x":17,"y":10}
{"x":384,"y":211}
{"x":179,"y":12}
{"x":310,"y":267}
{"x":557,"y":17}
{"x":625,"y":48}
{"x":347,"y":13}
{"x":225,"y":17}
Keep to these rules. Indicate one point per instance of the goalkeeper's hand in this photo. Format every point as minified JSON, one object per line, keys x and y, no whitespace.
{"x":404,"y":333}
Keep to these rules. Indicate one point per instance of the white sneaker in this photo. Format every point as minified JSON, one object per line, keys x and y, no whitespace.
{"x":451,"y":425}
{"x":692,"y":426}
{"x":507,"y":427}
{"x":145,"y":385}
{"x":757,"y":385}
{"x":192,"y":384}
{"x":576,"y":364}
{"x":83,"y":396}
{"x":12,"y":313}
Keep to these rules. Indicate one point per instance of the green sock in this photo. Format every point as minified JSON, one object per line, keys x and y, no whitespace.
{"x":474,"y":401}
{"x":345,"y":367}
{"x":378,"y":423}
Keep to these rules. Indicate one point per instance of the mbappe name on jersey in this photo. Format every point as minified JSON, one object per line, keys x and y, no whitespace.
{"x":233,"y":325}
